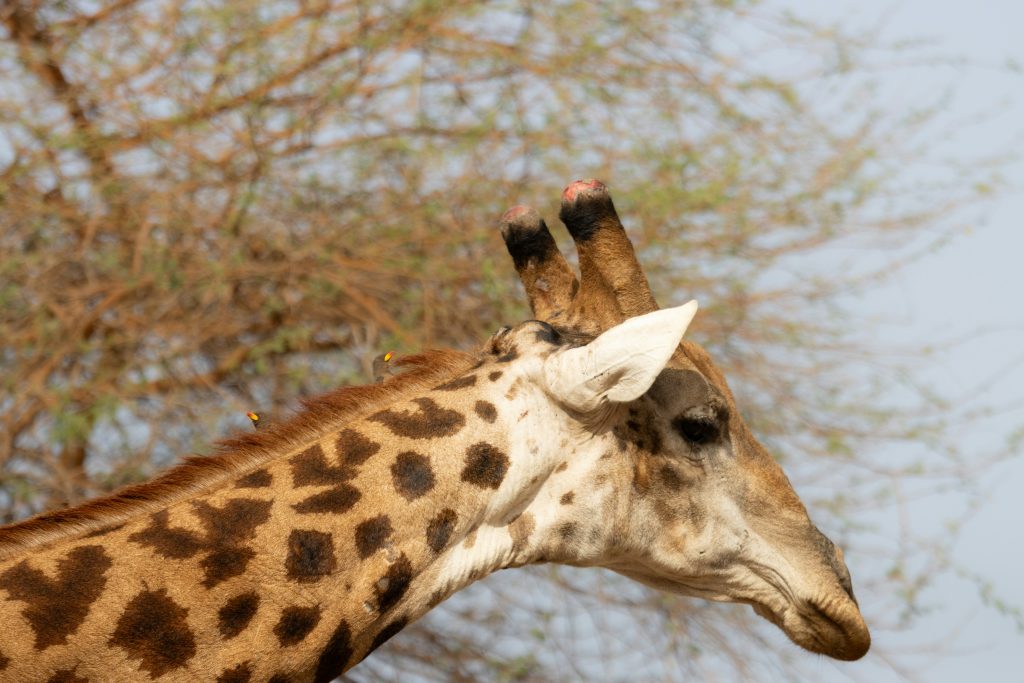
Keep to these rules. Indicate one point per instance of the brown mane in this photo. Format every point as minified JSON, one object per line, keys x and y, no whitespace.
{"x":235,"y":456}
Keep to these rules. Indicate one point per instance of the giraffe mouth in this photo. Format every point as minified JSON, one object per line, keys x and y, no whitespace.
{"x":838,"y":632}
{"x":834,"y":627}
{"x":825,"y":621}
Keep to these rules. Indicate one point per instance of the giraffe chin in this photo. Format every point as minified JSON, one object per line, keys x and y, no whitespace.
{"x":838,"y":632}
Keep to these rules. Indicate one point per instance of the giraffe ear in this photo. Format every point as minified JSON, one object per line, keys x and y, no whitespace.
{"x":621,"y":364}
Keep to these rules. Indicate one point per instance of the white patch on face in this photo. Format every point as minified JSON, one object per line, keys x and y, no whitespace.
{"x":526,"y":516}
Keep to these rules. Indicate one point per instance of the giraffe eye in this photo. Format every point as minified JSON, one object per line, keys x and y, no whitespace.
{"x":696,"y":430}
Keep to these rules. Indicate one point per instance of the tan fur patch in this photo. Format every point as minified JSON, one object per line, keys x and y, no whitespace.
{"x":520,"y":531}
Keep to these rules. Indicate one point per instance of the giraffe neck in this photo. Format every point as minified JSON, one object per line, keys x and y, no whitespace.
{"x":303,"y":566}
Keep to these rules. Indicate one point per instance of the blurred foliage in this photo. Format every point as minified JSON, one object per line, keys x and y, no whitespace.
{"x":208,"y":207}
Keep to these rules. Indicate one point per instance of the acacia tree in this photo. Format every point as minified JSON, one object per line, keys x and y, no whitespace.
{"x":214,"y":206}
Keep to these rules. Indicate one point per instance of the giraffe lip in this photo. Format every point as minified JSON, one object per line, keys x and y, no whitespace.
{"x":837,"y":631}
{"x":815,"y":628}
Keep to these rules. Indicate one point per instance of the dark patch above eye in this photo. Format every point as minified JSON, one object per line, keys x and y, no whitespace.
{"x":696,"y":430}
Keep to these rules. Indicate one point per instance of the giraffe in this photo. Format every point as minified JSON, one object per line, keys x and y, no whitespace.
{"x":592,"y":435}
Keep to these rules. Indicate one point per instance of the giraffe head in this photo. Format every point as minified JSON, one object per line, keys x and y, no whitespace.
{"x":668,"y":485}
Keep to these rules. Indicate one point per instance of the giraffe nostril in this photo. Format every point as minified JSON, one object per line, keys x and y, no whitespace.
{"x":833,"y":554}
{"x":842,"y":572}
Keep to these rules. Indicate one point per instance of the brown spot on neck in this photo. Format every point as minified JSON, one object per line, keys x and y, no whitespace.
{"x":310,"y":555}
{"x":354,"y":449}
{"x":240,"y":673}
{"x":153,"y":629}
{"x":337,"y":500}
{"x":227,"y":528}
{"x":260,"y":479}
{"x":295,"y":624}
{"x":335,"y":657}
{"x":56,"y":607}
{"x":430,"y":421}
{"x":310,"y":468}
{"x":174,"y":544}
{"x":520,"y":531}
{"x":387,"y":633}
{"x":236,"y":614}
{"x":412,"y":475}
{"x":440,"y":529}
{"x":372,"y":534}
{"x":458,"y":383}
{"x":485,"y":466}
{"x":486,"y":410}
{"x":391,"y":587}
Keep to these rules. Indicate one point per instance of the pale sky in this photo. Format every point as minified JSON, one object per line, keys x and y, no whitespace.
{"x":976,"y":282}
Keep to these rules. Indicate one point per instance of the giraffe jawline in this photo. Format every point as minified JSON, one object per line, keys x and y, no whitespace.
{"x":676,"y":587}
{"x":808,"y":624}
